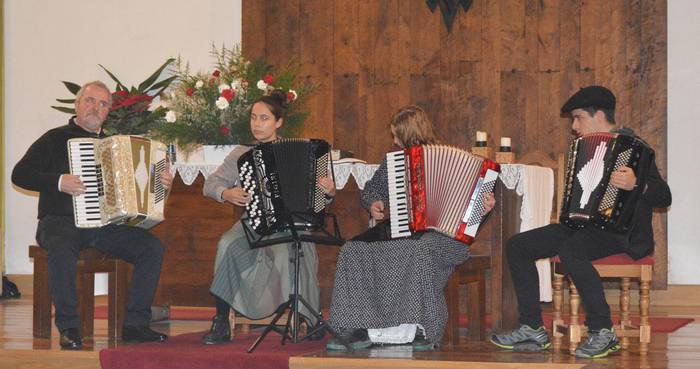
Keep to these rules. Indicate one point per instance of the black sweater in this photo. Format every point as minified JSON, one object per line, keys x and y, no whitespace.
{"x":44,"y":163}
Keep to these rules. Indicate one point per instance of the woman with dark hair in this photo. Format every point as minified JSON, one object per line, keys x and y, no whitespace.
{"x":394,"y":288}
{"x":254,"y":282}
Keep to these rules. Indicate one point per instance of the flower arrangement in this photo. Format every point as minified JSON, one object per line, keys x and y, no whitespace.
{"x":130,"y":113}
{"x":214,"y":108}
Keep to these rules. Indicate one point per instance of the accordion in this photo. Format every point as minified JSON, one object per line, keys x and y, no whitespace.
{"x":589,"y":198}
{"x":122,"y":179}
{"x":281,"y":177}
{"x":440,"y":188}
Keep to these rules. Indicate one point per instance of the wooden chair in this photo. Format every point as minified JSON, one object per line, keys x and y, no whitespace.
{"x":615,"y":266}
{"x":471,"y":273}
{"x":90,"y":261}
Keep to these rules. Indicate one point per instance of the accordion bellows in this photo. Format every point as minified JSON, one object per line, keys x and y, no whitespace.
{"x":589,"y":198}
{"x":122,"y":179}
{"x":281,"y":177}
{"x":438,"y":187}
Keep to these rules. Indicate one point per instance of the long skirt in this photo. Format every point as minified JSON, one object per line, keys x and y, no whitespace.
{"x":256,"y":281}
{"x":388,"y":283}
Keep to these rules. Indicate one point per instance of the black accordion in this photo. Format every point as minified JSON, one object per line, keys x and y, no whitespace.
{"x":589,"y":198}
{"x":281,"y":177}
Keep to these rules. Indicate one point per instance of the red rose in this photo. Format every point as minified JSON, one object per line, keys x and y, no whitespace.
{"x":228,"y":94}
{"x":121,"y":93}
{"x":189,"y":91}
{"x":268,"y":79}
{"x":224,"y":130}
{"x":216,"y":73}
{"x":291,"y":96}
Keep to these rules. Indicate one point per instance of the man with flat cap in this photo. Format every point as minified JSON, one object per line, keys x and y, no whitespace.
{"x":591,"y":109}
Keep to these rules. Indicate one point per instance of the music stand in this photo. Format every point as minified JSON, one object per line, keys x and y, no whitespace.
{"x":322,"y":237}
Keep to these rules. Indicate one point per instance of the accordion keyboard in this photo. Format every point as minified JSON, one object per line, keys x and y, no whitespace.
{"x":82,"y":164}
{"x":398,"y":194}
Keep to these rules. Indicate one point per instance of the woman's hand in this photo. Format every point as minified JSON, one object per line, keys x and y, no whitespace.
{"x":489,"y":202}
{"x":327,"y":185}
{"x":166,"y":178}
{"x":236,"y":196}
{"x":377,"y":210}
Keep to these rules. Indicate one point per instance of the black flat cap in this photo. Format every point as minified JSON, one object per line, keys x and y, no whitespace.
{"x":590,"y":97}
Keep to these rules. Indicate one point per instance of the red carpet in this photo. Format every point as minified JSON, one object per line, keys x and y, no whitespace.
{"x":187,"y":351}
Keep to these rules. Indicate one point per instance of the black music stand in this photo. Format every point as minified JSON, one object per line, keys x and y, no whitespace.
{"x":321,"y":237}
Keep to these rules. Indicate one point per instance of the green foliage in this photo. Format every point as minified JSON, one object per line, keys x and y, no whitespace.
{"x":214,"y":108}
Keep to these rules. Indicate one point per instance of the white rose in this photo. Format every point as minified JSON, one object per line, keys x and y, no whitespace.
{"x":172,"y":95}
{"x":236,"y":84}
{"x":221,"y":103}
{"x":170,"y":116}
{"x":222,"y":87}
{"x":294,"y":94}
{"x":262,"y":85}
{"x":199,"y":84}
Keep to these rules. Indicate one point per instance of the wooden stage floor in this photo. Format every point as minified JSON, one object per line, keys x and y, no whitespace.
{"x":680,"y":349}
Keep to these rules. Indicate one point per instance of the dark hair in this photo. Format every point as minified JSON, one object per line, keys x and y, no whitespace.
{"x":609,"y":113}
{"x":276,"y":101}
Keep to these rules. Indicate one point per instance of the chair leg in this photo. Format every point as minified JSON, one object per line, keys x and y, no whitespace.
{"x":644,"y":327}
{"x":118,"y":285}
{"x":41,"y":313}
{"x":557,"y":321}
{"x":452,"y":299}
{"x":574,"y":326}
{"x":85,"y":286}
{"x":625,"y":321}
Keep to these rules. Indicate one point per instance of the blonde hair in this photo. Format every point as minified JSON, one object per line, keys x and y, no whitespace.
{"x":412,"y":126}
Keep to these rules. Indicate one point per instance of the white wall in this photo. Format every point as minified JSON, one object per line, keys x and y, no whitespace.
{"x":47,"y":41}
{"x":683,"y":136}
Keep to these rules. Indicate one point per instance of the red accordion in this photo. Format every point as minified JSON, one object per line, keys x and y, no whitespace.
{"x":440,"y":188}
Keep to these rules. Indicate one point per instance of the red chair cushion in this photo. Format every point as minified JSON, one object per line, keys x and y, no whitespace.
{"x":617,"y":259}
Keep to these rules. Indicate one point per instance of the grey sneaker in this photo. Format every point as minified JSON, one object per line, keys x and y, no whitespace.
{"x":523,"y":339}
{"x":349,"y":339}
{"x":599,"y":344}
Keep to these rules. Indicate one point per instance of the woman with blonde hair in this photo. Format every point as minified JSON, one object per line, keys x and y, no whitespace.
{"x":391,"y":291}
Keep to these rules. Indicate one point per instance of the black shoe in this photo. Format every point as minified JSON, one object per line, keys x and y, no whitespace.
{"x":71,"y":339}
{"x":350,"y":339}
{"x":141,"y":333}
{"x":219,"y":332}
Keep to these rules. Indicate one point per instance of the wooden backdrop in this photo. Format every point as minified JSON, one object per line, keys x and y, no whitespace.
{"x":506,"y":68}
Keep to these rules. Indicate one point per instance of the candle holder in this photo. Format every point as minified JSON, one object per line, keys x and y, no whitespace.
{"x":505,"y":157}
{"x":481,"y":150}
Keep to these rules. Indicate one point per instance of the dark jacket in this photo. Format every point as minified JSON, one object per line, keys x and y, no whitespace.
{"x":44,"y":163}
{"x":656,"y":194}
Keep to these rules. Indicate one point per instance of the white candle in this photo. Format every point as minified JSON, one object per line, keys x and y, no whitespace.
{"x":480,"y":136}
{"x":505,"y":141}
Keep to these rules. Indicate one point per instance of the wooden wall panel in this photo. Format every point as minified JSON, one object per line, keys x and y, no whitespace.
{"x":506,"y":68}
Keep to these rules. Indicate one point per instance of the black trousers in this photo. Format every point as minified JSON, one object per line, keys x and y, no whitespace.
{"x":576,"y":249}
{"x":64,"y":241}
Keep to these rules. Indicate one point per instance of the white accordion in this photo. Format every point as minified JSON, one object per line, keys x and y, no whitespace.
{"x":122,"y":179}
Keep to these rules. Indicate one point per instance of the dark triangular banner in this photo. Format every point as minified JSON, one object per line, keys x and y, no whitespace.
{"x":449,"y":9}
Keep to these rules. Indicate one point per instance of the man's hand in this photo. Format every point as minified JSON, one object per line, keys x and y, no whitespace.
{"x":623,"y":178}
{"x":377,"y":210}
{"x":72,"y":185}
{"x":327,"y":186}
{"x":489,"y":202}
{"x":236,"y":196}
{"x":166,"y":178}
